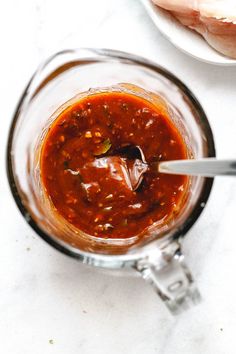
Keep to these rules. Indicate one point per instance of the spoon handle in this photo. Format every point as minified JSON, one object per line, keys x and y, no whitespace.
{"x":208,"y":167}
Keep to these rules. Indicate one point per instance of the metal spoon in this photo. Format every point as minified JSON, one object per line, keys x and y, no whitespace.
{"x":208,"y":167}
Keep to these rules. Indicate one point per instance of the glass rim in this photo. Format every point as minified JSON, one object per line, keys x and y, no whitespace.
{"x":104,"y":259}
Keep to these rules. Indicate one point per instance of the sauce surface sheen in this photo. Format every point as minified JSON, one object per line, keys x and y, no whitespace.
{"x":87,"y":180}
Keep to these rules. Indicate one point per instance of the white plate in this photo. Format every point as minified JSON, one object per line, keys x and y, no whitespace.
{"x":185,"y":39}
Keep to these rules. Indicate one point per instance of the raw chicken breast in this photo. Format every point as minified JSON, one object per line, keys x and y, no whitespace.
{"x":215,"y":20}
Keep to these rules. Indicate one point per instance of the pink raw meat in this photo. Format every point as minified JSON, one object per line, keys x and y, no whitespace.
{"x":215,"y":20}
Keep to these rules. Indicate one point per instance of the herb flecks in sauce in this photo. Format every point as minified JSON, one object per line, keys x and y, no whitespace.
{"x":89,"y":181}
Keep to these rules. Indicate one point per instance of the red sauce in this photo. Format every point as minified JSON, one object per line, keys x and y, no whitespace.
{"x":86,"y":178}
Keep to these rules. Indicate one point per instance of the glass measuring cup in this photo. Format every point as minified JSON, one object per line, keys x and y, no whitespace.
{"x":157,"y":257}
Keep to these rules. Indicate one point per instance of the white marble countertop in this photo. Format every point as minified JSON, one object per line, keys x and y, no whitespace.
{"x":49,"y":303}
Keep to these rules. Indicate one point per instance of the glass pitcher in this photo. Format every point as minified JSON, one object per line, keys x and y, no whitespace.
{"x":158,"y":258}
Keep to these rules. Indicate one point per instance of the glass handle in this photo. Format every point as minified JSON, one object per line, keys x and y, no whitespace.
{"x":171,"y":279}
